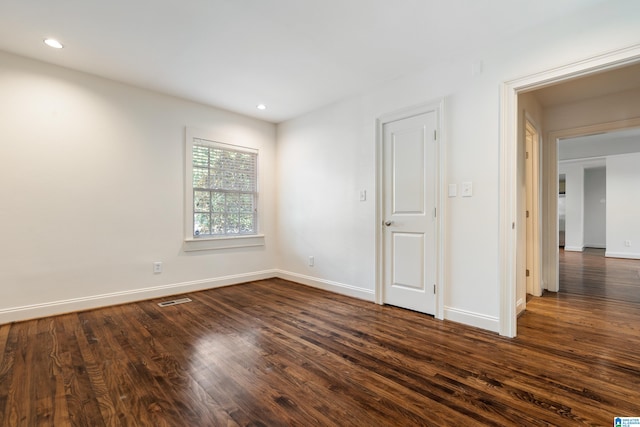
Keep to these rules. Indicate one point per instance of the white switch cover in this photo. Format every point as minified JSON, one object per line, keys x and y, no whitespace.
{"x":453,"y":190}
{"x":467,"y":189}
{"x":363,"y":195}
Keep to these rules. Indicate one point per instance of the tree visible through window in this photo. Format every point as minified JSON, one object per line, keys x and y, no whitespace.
{"x":224,"y":190}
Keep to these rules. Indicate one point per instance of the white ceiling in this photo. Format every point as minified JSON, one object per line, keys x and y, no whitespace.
{"x":293,"y":55}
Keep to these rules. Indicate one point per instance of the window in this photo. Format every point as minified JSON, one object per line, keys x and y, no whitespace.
{"x":224,"y":190}
{"x":222,"y":196}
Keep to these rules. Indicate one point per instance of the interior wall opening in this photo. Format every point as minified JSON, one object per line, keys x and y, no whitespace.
{"x":577,"y":119}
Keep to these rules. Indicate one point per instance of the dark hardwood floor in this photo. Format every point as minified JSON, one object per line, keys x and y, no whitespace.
{"x":274,"y":353}
{"x":591,"y":273}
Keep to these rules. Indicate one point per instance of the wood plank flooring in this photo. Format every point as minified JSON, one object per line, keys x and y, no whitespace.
{"x":591,"y":273}
{"x":273,"y":353}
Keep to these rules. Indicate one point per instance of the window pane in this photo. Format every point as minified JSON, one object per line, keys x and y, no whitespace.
{"x":246,"y":203}
{"x":246,"y":223}
{"x":232,"y":226}
{"x":201,"y":224}
{"x":245,"y":182}
{"x":224,"y":190}
{"x":200,"y":156}
{"x":201,"y":201}
{"x":216,"y":180}
{"x":217,"y":202}
{"x":216,"y":156}
{"x":245,"y":162}
{"x":200,"y":178}
{"x":233,"y":203}
{"x":217,"y":223}
{"x":227,"y":181}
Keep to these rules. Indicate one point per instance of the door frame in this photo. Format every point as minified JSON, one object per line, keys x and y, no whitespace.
{"x":535,"y":245}
{"x":438,"y":107}
{"x":509,"y":191}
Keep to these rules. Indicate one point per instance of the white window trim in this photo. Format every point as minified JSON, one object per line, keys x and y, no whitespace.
{"x":191,"y":243}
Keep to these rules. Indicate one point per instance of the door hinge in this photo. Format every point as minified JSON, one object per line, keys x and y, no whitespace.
{"x":527,"y":214}
{"x":435,"y":135}
{"x":526,"y":155}
{"x":435,"y":212}
{"x":527,"y":273}
{"x":434,"y":289}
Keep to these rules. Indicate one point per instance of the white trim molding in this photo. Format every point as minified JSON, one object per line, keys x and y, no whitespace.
{"x":482,"y":321}
{"x":509,"y":163}
{"x":627,"y":255}
{"x":227,"y":242}
{"x":52,"y":308}
{"x":328,"y":285}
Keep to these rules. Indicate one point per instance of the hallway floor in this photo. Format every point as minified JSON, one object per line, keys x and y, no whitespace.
{"x":591,"y":273}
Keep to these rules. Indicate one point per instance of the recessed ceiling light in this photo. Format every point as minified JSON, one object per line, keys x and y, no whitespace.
{"x":53,"y":43}
{"x":261,"y":107}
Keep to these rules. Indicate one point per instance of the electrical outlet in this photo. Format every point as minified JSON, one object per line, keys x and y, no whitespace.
{"x":627,"y":243}
{"x":157,"y":267}
{"x":312,"y":261}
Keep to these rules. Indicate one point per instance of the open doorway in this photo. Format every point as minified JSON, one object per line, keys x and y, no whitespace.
{"x":582,"y":154}
{"x":600,"y":178}
{"x":584,"y":98}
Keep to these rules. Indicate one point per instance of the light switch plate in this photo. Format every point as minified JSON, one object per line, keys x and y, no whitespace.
{"x":453,"y":190}
{"x":467,"y":189}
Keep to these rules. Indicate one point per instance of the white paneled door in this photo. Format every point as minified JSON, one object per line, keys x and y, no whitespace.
{"x":409,"y":216}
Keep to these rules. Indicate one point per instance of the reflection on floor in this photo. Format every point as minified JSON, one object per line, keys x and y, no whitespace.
{"x":591,"y":273}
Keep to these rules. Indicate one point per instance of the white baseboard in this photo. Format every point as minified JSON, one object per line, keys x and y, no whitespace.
{"x":16,"y":314}
{"x":629,"y":255}
{"x":520,"y":306}
{"x":595,"y":245}
{"x":574,"y":248}
{"x":470,"y":318}
{"x":328,"y":285}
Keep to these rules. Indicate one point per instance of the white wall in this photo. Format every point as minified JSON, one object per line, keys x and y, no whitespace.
{"x":320,"y":175}
{"x":603,"y":109}
{"x":345,"y":133}
{"x":595,"y":207}
{"x":623,"y":206}
{"x":91,"y":190}
{"x":576,"y":148}
{"x":574,"y":205}
{"x":584,"y":203}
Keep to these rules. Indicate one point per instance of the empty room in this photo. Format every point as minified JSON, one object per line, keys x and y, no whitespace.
{"x":284,"y":212}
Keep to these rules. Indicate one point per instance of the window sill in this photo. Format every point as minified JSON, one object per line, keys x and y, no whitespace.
{"x":226,"y":242}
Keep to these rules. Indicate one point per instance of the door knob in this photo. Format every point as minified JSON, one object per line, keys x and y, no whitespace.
{"x":388,"y":223}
